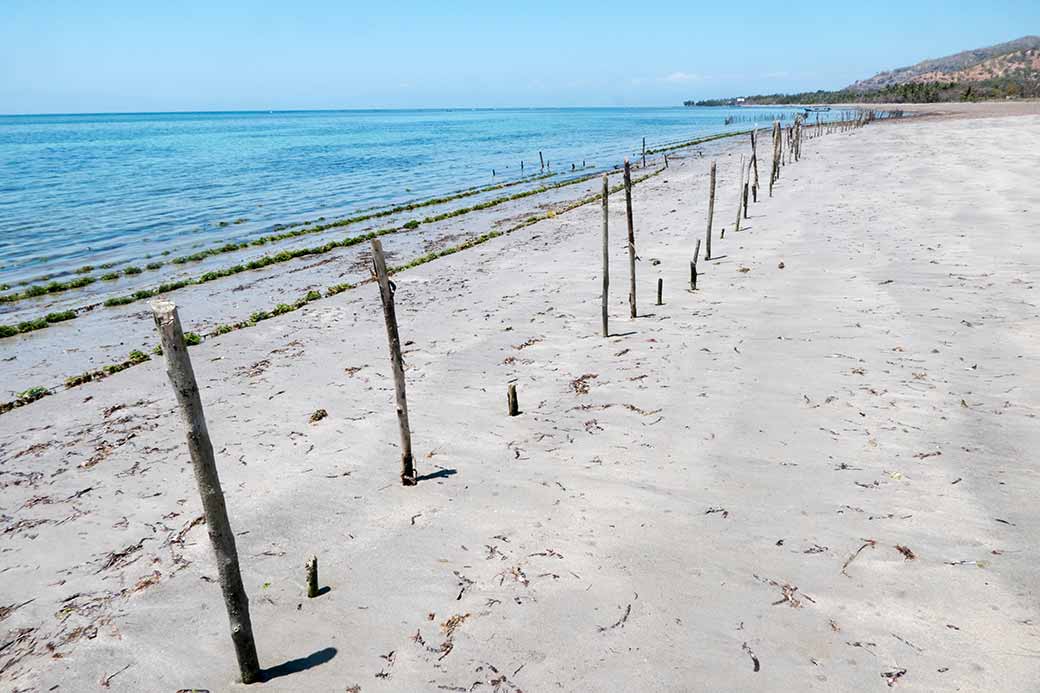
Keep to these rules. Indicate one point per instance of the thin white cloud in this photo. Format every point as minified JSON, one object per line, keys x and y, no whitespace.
{"x":682,"y":77}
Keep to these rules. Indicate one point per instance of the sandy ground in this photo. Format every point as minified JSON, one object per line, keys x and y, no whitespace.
{"x":809,"y":478}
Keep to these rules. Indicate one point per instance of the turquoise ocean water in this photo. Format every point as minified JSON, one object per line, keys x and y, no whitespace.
{"x":117,"y":189}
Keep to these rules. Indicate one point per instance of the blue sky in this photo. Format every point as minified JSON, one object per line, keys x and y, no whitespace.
{"x":143,"y":55}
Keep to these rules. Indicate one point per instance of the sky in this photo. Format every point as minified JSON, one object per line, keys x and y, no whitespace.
{"x":88,"y":56}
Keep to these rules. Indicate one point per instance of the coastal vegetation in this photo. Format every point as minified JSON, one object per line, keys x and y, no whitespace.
{"x":910,"y":92}
{"x":1008,"y":70}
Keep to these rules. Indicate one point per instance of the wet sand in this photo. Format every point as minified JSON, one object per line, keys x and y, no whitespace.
{"x":814,"y":477}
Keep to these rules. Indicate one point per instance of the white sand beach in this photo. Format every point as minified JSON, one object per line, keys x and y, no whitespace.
{"x":813,"y":473}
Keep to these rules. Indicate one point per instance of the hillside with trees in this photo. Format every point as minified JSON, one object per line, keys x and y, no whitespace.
{"x":1005,"y":71}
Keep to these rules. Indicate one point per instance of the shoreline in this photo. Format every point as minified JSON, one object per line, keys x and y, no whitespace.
{"x":811,"y":472}
{"x":87,"y":363}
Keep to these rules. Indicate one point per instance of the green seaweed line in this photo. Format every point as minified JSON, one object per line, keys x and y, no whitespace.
{"x":283,"y":256}
{"x":36,"y":290}
{"x":36,"y":393}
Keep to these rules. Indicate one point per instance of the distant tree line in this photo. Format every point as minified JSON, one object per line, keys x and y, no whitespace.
{"x":1016,"y":87}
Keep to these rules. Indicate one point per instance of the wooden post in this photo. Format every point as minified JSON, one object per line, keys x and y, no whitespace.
{"x":745,"y":200}
{"x":693,"y":266}
{"x":182,"y":378}
{"x":511,"y":402}
{"x":666,"y":160}
{"x":644,"y":152}
{"x":540,"y":159}
{"x":754,"y":161}
{"x":711,"y":212}
{"x":740,"y":192}
{"x":606,"y":257}
{"x":312,"y":578}
{"x":631,"y":240}
{"x":774,"y":171}
{"x":386,"y":293}
{"x":660,"y":290}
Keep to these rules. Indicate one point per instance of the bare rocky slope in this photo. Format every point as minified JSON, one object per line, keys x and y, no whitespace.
{"x":1019,"y":58}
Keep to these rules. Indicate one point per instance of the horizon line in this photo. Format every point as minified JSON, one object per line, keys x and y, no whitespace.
{"x":360,"y":109}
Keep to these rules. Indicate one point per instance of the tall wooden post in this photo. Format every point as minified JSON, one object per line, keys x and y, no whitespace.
{"x":740,"y":192}
{"x":631,"y":241}
{"x":386,"y":293}
{"x":606,"y":257}
{"x":711,"y":212}
{"x":182,"y":378}
{"x":541,"y":159}
{"x":754,"y":161}
{"x":693,"y":266}
{"x":644,"y":152}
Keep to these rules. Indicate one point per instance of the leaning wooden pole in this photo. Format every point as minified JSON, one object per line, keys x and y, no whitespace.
{"x":631,"y":241}
{"x":711,"y":213}
{"x":606,"y":258}
{"x":386,"y":293}
{"x":182,"y":378}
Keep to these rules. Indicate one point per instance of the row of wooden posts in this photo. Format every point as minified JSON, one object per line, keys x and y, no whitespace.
{"x":200,"y":448}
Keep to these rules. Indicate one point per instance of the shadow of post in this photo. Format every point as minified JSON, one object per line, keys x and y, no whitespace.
{"x":295,"y":666}
{"x":439,"y":474}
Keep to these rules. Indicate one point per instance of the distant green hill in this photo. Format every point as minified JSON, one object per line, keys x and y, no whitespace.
{"x":1006,"y":70}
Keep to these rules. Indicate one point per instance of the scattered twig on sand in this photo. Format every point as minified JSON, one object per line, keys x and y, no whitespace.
{"x":908,"y":643}
{"x":754,"y":659}
{"x":710,"y":511}
{"x":908,"y":554}
{"x":106,"y":680}
{"x":867,"y":542}
{"x":892,"y":676}
{"x":121,"y":559}
{"x":6,"y":611}
{"x":788,"y":593}
{"x":581,"y":385}
{"x":620,"y":623}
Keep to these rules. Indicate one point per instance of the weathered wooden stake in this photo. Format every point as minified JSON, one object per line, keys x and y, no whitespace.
{"x":631,"y":241}
{"x":740,"y":192}
{"x":182,"y":378}
{"x":745,"y":200}
{"x":644,"y":152}
{"x":711,"y":212}
{"x":693,"y":266}
{"x":511,"y":402}
{"x":386,"y":293}
{"x":754,"y":161}
{"x":606,"y":257}
{"x":540,"y":159}
{"x":660,"y":290}
{"x":312,"y":578}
